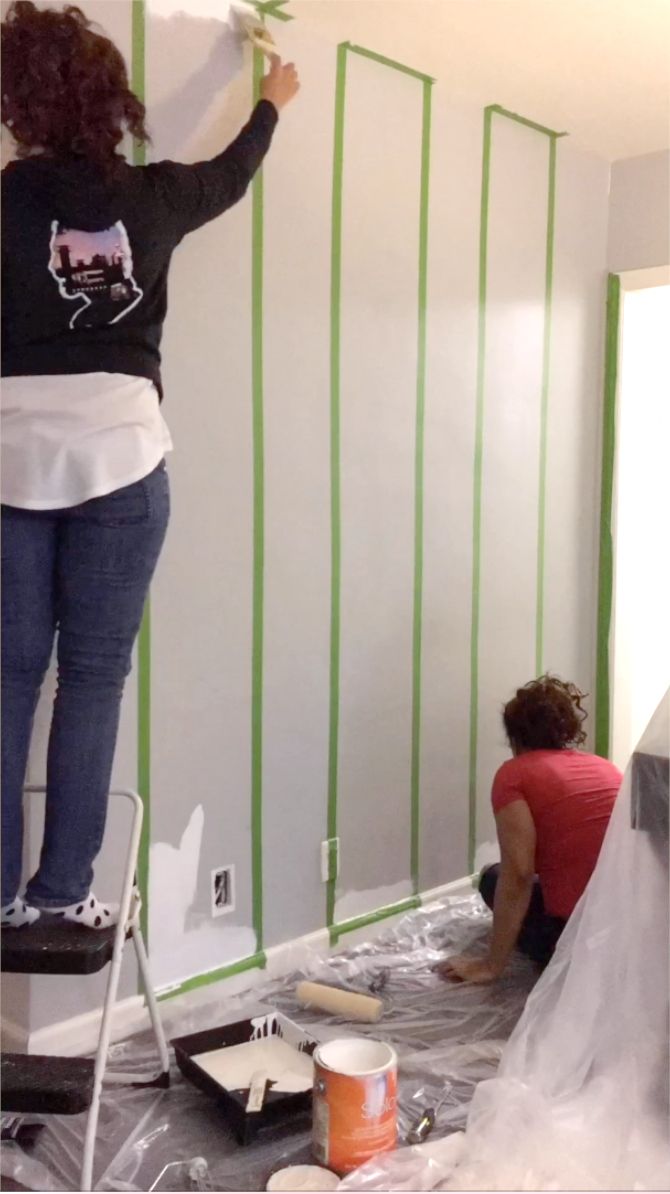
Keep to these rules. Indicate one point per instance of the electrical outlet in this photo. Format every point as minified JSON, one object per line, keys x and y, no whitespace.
{"x":330,"y":859}
{"x":223,"y":890}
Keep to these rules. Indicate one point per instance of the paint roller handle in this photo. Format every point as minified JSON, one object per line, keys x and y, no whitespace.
{"x":281,"y":84}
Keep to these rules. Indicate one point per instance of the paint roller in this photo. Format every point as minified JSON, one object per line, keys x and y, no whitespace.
{"x":346,"y":1004}
{"x":249,"y":23}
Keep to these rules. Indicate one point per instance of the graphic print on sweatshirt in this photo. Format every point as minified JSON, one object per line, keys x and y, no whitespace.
{"x":95,"y":270}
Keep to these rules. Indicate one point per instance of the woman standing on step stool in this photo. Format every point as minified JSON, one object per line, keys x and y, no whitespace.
{"x":86,"y":247}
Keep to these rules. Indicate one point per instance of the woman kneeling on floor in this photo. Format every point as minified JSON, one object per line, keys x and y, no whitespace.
{"x":552,"y":804}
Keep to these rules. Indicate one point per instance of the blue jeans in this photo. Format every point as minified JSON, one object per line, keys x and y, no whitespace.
{"x":83,"y":573}
{"x":539,"y":932}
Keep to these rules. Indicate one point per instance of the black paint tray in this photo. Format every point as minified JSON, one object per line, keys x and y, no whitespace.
{"x":280,"y":1108}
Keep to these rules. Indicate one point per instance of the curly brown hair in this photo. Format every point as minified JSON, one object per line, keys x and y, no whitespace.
{"x":545,"y":714}
{"x":65,"y":90}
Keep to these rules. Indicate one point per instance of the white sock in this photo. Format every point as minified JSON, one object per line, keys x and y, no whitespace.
{"x":18,"y":913}
{"x":89,"y":912}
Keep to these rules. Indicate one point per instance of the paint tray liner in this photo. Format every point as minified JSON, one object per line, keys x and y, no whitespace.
{"x":222,"y":1062}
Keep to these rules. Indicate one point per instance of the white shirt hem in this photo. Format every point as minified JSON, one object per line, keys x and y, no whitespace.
{"x":69,"y":439}
{"x":58,"y":503}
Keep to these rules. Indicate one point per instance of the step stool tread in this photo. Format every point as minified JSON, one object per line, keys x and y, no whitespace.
{"x":51,"y":947}
{"x":46,"y":1085}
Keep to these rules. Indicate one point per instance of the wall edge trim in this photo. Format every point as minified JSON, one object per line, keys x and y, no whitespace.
{"x":79,"y":1034}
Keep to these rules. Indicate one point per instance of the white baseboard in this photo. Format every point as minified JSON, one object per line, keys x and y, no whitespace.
{"x":79,"y":1035}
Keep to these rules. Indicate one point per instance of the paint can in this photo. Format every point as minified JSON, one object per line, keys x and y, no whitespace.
{"x":355,"y":1102}
{"x":303,"y":1177}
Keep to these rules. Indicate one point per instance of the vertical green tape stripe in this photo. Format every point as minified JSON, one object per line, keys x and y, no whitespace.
{"x":418,"y":482}
{"x":477,"y":488}
{"x":544,"y":410}
{"x":335,"y":515}
{"x":138,"y":85}
{"x":138,"y":68}
{"x":259,"y":535}
{"x":606,"y":554}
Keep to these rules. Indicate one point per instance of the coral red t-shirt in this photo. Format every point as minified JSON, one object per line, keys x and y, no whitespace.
{"x":570,"y":795}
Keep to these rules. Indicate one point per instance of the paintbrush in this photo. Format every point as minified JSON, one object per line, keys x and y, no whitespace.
{"x":250,"y":24}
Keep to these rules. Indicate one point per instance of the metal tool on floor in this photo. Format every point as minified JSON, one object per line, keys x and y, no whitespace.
{"x":379,"y":981}
{"x":72,"y":1085}
{"x":422,"y":1127}
{"x":194,"y":1172}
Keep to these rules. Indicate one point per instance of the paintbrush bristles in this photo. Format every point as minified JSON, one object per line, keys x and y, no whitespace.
{"x":253,"y":29}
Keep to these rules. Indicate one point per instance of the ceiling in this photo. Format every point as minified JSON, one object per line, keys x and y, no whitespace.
{"x":600,"y":69}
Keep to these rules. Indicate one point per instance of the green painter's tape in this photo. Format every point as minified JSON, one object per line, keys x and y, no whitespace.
{"x":477,"y":489}
{"x":273,"y":8}
{"x":138,"y":85}
{"x":606,"y":554}
{"x":372,"y":918}
{"x":138,"y":68}
{"x":390,"y":62}
{"x":529,"y":124}
{"x":418,"y":490}
{"x":544,"y":410}
{"x":255,"y":962}
{"x":259,"y":535}
{"x":336,"y":527}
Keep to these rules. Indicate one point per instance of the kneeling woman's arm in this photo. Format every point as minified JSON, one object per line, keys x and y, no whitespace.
{"x":516,"y":837}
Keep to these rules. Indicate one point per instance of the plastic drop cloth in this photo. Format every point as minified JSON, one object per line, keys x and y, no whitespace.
{"x":581,"y":1100}
{"x":449,"y":1038}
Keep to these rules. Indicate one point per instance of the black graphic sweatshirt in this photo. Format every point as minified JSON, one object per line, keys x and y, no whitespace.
{"x":85,"y":257}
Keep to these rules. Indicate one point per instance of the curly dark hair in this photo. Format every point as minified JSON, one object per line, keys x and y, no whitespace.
{"x":545,"y":714}
{"x":65,"y":90}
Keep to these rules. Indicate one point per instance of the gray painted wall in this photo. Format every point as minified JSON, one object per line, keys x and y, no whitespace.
{"x":202,"y":601}
{"x":639,"y":228}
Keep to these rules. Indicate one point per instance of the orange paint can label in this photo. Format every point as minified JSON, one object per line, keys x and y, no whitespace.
{"x":355,"y":1102}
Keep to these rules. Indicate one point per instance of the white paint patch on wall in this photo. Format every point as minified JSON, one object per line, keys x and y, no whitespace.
{"x":219,"y":10}
{"x":184,"y":943}
{"x":360,"y":903}
{"x":486,"y":855}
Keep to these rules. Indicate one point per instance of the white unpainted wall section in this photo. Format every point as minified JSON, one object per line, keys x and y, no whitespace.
{"x":184,"y":941}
